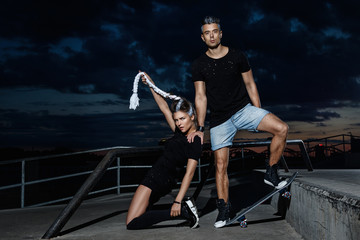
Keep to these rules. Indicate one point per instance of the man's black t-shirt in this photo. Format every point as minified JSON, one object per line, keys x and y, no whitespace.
{"x":225,"y":89}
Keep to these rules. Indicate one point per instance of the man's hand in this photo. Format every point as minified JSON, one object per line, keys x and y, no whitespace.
{"x":192,"y":135}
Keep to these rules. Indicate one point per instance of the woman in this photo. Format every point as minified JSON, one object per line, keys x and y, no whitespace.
{"x":160,"y":180}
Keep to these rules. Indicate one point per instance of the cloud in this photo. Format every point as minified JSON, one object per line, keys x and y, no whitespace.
{"x":57,"y":63}
{"x":336,"y":33}
{"x":58,"y":103}
{"x":255,"y":17}
{"x":40,"y":129}
{"x":296,"y":25}
{"x":67,"y":47}
{"x":304,"y":113}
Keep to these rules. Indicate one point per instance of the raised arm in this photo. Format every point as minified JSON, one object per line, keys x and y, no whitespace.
{"x":163,"y":105}
{"x":251,"y":88}
{"x":201,"y":105}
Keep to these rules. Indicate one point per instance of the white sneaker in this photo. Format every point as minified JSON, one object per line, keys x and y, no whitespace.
{"x":191,"y":210}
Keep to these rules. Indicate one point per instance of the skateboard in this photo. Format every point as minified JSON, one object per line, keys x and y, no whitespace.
{"x":240,"y":217}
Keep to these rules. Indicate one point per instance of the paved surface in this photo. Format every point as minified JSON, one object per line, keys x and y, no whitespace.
{"x":104,"y":218}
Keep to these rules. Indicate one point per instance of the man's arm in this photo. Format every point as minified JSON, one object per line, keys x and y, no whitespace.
{"x":200,"y":102}
{"x":200,"y":105}
{"x":251,"y":88}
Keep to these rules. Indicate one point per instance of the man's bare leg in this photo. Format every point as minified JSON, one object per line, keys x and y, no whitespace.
{"x":221,"y":176}
{"x":272,"y":124}
{"x":222,"y":186}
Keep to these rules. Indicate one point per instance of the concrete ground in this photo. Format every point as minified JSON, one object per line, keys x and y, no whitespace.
{"x":104,"y":218}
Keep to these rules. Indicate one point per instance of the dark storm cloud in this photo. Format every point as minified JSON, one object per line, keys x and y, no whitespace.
{"x":42,"y":130}
{"x":113,"y":45}
{"x":304,"y":54}
{"x":118,"y":38}
{"x":307,"y":46}
{"x":48,"y":21}
{"x":304,"y":113}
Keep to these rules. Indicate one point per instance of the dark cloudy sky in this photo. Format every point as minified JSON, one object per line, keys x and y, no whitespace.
{"x":67,"y":67}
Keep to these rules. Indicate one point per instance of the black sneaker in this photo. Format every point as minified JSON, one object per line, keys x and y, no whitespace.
{"x":224,"y":213}
{"x":272,"y":178}
{"x":267,"y":164}
{"x":189,"y":212}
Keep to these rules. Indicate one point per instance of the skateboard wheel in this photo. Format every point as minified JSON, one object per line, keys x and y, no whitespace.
{"x":286,"y":194}
{"x":243,"y":224}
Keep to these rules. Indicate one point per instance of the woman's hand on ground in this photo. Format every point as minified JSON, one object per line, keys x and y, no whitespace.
{"x":175,"y":210}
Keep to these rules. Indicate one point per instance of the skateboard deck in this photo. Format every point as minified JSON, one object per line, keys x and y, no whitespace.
{"x":241,"y":215}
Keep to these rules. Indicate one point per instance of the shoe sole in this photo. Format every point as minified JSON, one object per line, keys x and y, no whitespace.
{"x":280,"y":185}
{"x":192,"y":208}
{"x":220,"y":224}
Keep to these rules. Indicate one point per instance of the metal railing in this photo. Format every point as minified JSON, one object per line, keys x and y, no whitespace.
{"x":24,"y":183}
{"x":298,"y":142}
{"x":122,"y":152}
{"x":334,"y":144}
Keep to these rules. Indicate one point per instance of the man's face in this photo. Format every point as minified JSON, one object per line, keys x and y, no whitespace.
{"x":211,"y":35}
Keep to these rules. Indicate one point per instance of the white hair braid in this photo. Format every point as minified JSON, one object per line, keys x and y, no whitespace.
{"x":134,"y":100}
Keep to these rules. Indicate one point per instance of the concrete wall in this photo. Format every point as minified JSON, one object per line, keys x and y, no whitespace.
{"x":317,"y":213}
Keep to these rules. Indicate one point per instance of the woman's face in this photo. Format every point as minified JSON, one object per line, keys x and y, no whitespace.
{"x":183,"y":121}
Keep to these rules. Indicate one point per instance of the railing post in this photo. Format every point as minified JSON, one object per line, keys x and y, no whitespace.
{"x":22,"y":184}
{"x":305,"y":155}
{"x":75,"y":202}
{"x":118,"y":175}
{"x":326,"y":149}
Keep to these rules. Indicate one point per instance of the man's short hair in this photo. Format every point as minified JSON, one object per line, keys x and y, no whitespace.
{"x":210,"y":20}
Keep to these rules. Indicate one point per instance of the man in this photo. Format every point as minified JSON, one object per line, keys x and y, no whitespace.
{"x":223,"y":80}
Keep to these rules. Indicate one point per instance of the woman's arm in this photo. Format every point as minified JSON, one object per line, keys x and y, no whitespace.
{"x":164,"y":107}
{"x":189,"y":174}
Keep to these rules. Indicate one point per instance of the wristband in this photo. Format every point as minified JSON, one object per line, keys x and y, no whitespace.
{"x":176,"y":202}
{"x":200,"y":128}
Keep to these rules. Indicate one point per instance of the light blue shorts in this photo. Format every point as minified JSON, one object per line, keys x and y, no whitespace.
{"x":247,"y":118}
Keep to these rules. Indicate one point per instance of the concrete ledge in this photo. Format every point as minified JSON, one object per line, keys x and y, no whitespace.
{"x":318,"y":212}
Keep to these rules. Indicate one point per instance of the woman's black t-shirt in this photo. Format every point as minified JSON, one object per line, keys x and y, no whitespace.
{"x":178,"y":150}
{"x":225,"y":89}
{"x":161,"y":177}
